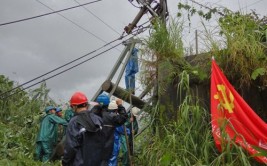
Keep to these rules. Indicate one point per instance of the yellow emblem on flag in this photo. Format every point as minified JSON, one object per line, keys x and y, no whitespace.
{"x":227,"y":102}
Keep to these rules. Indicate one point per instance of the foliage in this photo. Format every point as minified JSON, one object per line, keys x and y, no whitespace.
{"x":191,"y":10}
{"x":178,"y":141}
{"x":163,"y":56}
{"x":163,"y":46}
{"x":244,"y":58}
{"x":19,"y":122}
{"x":188,"y":140}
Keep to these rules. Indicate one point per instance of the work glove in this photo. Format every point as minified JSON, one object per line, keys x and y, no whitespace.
{"x":121,"y":110}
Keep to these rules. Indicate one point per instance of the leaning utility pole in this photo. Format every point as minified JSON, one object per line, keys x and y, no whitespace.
{"x":161,"y":72}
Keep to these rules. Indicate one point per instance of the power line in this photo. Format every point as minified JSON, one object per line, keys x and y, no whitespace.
{"x":20,"y":90}
{"x":41,"y":15}
{"x":75,"y":23}
{"x":134,"y":5}
{"x":99,"y":18}
{"x":2,"y":94}
{"x":252,"y":4}
{"x":59,"y":67}
{"x":206,"y":7}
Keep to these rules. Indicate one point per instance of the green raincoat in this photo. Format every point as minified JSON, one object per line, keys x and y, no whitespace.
{"x":47,"y":136}
{"x":68,"y":114}
{"x":128,"y":124}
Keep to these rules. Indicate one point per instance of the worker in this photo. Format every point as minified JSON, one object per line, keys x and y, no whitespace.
{"x":119,"y":132}
{"x":111,"y":119}
{"x":84,"y":139}
{"x":131,"y":70}
{"x":47,"y":136}
{"x":61,"y":129}
{"x":59,"y":148}
{"x":69,"y":113}
{"x":59,"y":112}
{"x":132,"y":125}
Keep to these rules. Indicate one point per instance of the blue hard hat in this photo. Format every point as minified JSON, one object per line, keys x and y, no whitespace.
{"x":58,"y":109}
{"x":48,"y":108}
{"x":103,"y":99}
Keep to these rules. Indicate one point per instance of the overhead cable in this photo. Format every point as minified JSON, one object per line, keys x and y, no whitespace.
{"x":79,"y":26}
{"x":58,"y":68}
{"x":41,"y":15}
{"x":99,"y":18}
{"x":254,"y":3}
{"x":20,"y":90}
{"x":53,"y":70}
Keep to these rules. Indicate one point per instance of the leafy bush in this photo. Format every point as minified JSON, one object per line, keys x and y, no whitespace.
{"x":19,"y":123}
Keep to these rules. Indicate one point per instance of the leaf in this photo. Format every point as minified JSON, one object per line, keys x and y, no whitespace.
{"x":165,"y":160}
{"x":258,"y":72}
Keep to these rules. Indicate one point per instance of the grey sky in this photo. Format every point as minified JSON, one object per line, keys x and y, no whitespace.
{"x":31,"y":48}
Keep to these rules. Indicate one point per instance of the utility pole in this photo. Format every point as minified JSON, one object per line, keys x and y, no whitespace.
{"x":161,"y":73}
{"x":159,"y":10}
{"x":196,"y":36}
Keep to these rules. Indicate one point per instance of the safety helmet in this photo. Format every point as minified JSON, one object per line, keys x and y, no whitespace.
{"x":58,"y":109}
{"x":103,"y":99}
{"x":48,"y":108}
{"x":135,"y":111}
{"x":113,"y":105}
{"x":78,"y":98}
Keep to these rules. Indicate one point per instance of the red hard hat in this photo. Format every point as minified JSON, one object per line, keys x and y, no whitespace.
{"x":78,"y":98}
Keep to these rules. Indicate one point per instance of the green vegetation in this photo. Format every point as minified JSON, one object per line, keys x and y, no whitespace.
{"x":244,"y":58}
{"x":187,"y":139}
{"x":19,"y":122}
{"x":176,"y":136}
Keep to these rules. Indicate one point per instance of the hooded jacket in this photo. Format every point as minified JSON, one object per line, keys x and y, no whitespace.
{"x":84,"y":140}
{"x":111,"y":120}
{"x":48,"y":128}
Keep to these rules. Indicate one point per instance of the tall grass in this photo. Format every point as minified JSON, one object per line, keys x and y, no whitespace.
{"x":188,"y":140}
{"x":244,"y":58}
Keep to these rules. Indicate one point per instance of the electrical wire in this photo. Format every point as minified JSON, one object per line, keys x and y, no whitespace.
{"x":98,"y":18}
{"x":79,"y":26}
{"x":134,"y":5}
{"x":41,"y":15}
{"x":252,"y":4}
{"x":121,"y":37}
{"x":59,"y":67}
{"x":20,"y":90}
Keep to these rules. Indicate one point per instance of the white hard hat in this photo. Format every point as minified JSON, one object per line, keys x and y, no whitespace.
{"x":135,"y":111}
{"x":113,"y":105}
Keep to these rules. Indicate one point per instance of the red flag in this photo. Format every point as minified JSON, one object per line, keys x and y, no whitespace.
{"x":230,"y":112}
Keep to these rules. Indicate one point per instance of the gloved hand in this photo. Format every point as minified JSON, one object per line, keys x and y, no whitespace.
{"x":121,"y":110}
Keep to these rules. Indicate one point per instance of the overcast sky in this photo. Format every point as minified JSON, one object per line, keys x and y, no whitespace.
{"x":31,"y":48}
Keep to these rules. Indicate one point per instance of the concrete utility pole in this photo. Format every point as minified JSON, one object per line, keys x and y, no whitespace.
{"x":115,"y":68}
{"x":114,"y":89}
{"x":160,"y":10}
{"x":196,"y":36}
{"x":161,"y":73}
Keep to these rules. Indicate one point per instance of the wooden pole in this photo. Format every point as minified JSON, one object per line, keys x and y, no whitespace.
{"x":127,"y":144}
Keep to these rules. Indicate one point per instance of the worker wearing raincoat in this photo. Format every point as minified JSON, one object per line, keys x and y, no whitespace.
{"x":132,"y":125}
{"x":47,"y":136}
{"x":69,"y":113}
{"x":119,"y":132}
{"x":131,"y":70}
{"x":113,"y":114}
